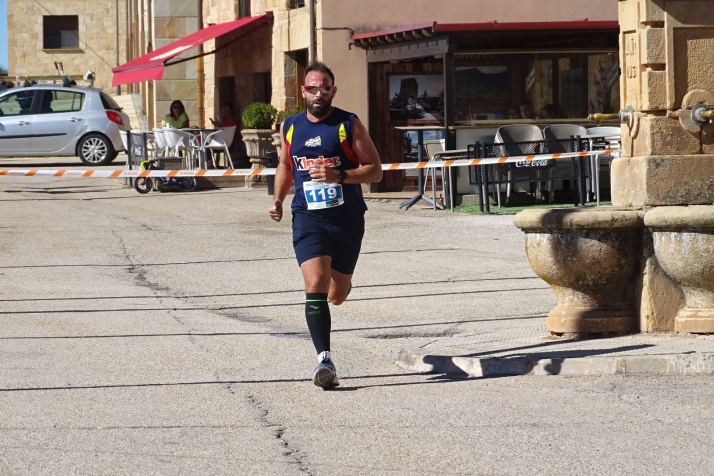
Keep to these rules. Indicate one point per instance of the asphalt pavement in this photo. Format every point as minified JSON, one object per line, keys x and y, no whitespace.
{"x":164,"y":334}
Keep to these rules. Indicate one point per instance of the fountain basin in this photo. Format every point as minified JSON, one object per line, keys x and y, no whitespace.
{"x":683,"y":239}
{"x":589,"y":256}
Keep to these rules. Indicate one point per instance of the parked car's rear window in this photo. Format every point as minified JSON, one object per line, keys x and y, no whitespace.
{"x":108,"y":102}
{"x":61,"y":101}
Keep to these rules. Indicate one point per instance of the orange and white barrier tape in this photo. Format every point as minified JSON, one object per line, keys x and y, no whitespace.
{"x":79,"y":173}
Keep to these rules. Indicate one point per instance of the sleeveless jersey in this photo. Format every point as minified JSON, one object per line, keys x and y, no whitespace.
{"x":329,"y":141}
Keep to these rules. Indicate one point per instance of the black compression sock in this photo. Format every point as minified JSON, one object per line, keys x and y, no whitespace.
{"x":317,"y":314}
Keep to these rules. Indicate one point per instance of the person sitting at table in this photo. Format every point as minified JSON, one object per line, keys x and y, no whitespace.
{"x":228,"y":117}
{"x":527,"y":110}
{"x":514,"y":113}
{"x":176,"y":118}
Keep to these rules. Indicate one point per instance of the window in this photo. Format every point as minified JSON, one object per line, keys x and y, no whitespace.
{"x":109,"y":103}
{"x":60,"y":31}
{"x":296,"y":3}
{"x":18,"y":104}
{"x":558,"y":85}
{"x":243,"y":8}
{"x":61,"y":101}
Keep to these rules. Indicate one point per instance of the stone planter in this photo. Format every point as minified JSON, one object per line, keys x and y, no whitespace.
{"x":589,"y":257}
{"x":276,"y":143}
{"x":257,"y":143}
{"x":683,"y":239}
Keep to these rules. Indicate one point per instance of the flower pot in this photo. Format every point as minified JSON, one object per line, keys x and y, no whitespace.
{"x":257,"y":143}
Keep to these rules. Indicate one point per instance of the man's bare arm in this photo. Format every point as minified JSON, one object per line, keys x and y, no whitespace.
{"x":283,"y":180}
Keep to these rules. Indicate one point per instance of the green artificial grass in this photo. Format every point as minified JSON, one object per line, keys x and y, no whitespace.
{"x":513,"y":210}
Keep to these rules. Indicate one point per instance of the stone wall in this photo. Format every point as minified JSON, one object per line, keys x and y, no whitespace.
{"x":666,"y":55}
{"x":97,"y":39}
{"x":291,"y":33}
{"x":174,"y":19}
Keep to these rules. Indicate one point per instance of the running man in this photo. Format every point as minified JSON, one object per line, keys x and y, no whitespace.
{"x":327,"y":153}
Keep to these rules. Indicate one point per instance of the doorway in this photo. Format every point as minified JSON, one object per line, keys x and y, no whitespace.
{"x":226,"y":93}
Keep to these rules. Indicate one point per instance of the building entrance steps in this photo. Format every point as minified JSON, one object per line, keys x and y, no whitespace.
{"x":131,"y":105}
{"x":536,"y":352}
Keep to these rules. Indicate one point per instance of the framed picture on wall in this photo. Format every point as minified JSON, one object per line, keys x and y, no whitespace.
{"x":416,"y":97}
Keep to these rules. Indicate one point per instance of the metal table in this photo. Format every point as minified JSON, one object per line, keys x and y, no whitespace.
{"x":420,"y":151}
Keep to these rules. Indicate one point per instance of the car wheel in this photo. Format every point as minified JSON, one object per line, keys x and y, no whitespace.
{"x":96,"y":149}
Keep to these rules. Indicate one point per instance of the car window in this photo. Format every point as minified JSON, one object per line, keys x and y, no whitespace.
{"x":16,"y":104}
{"x":61,"y":101}
{"x":109,"y":103}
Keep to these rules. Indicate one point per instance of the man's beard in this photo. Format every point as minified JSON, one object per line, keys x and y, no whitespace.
{"x":321,"y":111}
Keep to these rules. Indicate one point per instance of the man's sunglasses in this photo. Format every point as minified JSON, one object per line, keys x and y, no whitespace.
{"x":315,"y":89}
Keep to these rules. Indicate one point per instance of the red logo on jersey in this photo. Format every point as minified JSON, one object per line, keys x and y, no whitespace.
{"x":303,"y":163}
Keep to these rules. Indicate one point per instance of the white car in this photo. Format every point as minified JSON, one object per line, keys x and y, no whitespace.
{"x":52,"y":120}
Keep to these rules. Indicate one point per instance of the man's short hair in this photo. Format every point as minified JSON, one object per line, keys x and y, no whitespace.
{"x":321,"y":67}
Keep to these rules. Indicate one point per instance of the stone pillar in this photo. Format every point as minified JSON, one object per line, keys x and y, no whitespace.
{"x":666,"y":172}
{"x":667,"y":63}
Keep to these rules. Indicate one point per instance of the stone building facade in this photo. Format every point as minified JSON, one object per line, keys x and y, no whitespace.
{"x":95,"y":48}
{"x":174,"y":19}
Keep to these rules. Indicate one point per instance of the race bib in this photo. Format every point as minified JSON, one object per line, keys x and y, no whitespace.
{"x":319,"y":195}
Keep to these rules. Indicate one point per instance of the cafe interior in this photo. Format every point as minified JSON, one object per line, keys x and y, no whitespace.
{"x":473,"y":78}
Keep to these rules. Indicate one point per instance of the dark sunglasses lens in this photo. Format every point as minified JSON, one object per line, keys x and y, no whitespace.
{"x":314,"y":89}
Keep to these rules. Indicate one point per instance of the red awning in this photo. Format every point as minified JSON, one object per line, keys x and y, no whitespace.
{"x":583,"y":24}
{"x":426,"y":30}
{"x":151,"y":65}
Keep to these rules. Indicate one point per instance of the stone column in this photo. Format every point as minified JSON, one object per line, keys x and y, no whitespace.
{"x":667,"y":63}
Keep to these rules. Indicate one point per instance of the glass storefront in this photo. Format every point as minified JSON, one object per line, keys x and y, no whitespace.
{"x":493,"y":87}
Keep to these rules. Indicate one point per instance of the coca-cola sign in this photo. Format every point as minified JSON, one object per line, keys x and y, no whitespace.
{"x":534,"y":163}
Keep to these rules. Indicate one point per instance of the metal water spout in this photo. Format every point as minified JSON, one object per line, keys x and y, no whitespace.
{"x":702,"y":114}
{"x":627,"y":115}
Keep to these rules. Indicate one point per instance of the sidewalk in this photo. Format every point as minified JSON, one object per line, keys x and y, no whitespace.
{"x":535,"y":352}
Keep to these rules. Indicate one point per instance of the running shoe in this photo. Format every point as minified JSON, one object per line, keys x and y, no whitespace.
{"x":325,"y":375}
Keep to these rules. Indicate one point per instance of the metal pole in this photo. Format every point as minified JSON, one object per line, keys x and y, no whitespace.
{"x":433,"y":185}
{"x":451,"y":188}
{"x":420,"y":157}
{"x":311,"y":50}
{"x":200,"y":74}
{"x":118,"y":88}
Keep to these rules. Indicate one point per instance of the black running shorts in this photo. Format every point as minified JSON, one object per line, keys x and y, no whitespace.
{"x":339,"y":237}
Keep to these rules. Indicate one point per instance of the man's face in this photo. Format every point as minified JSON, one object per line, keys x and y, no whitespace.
{"x":526,"y":111}
{"x":319,"y":103}
{"x":226,"y":111}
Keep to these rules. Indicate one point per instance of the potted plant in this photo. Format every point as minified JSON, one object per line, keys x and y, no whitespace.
{"x":258,"y":119}
{"x":282,"y":115}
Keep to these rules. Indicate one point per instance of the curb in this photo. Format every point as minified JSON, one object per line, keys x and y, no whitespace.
{"x":663,"y":364}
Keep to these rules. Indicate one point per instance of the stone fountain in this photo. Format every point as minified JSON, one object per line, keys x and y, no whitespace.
{"x":647,"y":263}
